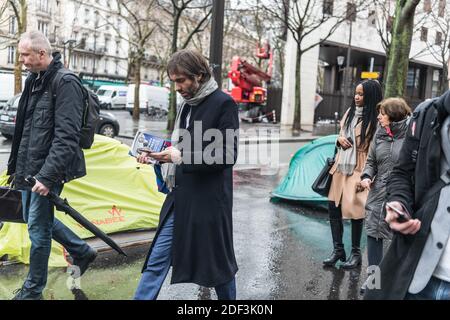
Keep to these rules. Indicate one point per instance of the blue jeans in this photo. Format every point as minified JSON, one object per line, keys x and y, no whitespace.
{"x":436,"y":289}
{"x":42,"y":227}
{"x":159,"y":263}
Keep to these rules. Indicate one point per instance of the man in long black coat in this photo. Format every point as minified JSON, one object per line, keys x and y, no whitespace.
{"x":195,"y":232}
{"x":417,"y":264}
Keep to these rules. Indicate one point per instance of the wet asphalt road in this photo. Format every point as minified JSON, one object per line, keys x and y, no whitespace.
{"x":279,"y":248}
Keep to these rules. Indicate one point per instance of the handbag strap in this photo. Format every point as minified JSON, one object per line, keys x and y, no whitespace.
{"x":8,"y":190}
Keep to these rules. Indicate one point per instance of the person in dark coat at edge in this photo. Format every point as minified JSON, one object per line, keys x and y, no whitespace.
{"x":417,"y":264}
{"x":46,"y":146}
{"x":195,"y":232}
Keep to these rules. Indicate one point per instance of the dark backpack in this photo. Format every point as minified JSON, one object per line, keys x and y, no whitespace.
{"x":91,"y":112}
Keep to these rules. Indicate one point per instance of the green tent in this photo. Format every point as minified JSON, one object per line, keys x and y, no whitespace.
{"x":304,"y":168}
{"x":117,"y":194}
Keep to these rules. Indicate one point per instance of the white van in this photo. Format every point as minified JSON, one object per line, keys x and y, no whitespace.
{"x":7,"y":87}
{"x":151,"y":98}
{"x":112,"y":97}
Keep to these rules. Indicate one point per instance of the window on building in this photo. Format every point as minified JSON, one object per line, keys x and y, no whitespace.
{"x":442,"y":8}
{"x":117,"y":67}
{"x":12,"y":25}
{"x":436,"y":86}
{"x":427,"y":6}
{"x":351,"y":11}
{"x":96,"y":18}
{"x":55,"y":33}
{"x":415,"y":82}
{"x":117,"y":47}
{"x":43,"y":27}
{"x":107,"y":43}
{"x":86,"y":16}
{"x":43,"y":5}
{"x":84,"y":62}
{"x":108,"y":21}
{"x":83,"y":41}
{"x":424,"y":34}
{"x":11,"y":54}
{"x":438,"y":40}
{"x":74,"y":58}
{"x":106,"y":65}
{"x":327,"y":8}
{"x":372,"y":19}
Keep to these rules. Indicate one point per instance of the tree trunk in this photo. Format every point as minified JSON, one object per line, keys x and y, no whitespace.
{"x":400,"y":48}
{"x":137,"y":81}
{"x":296,"y":128}
{"x":173,"y":94}
{"x":17,"y":73}
{"x":162,"y":76}
{"x":385,"y":72}
{"x":281,"y":62}
{"x":444,"y":83}
{"x":21,"y":28}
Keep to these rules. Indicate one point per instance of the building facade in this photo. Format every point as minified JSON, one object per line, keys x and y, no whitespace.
{"x":93,"y":40}
{"x":42,"y":15}
{"x":323,"y":66}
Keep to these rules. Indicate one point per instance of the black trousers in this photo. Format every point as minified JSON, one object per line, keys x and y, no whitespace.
{"x":374,"y":251}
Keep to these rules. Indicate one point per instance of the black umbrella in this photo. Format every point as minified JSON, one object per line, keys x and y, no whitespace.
{"x":63,"y":206}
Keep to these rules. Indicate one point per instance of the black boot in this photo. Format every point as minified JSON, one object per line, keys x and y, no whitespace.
{"x":337,"y":229}
{"x":337,"y":254}
{"x":355,"y":257}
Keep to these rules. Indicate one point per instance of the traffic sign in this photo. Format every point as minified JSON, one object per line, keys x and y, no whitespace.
{"x":369,"y":75}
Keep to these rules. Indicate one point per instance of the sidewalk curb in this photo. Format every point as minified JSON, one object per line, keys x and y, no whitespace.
{"x":258,"y":140}
{"x":125,"y":239}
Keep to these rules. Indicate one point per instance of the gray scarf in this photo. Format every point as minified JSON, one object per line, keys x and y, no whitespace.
{"x":168,"y":169}
{"x":347,"y":158}
{"x":445,"y":145}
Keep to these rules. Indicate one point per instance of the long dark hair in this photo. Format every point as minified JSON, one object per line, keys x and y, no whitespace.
{"x":372,"y":96}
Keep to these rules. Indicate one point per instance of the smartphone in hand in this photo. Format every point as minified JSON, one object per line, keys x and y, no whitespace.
{"x":349,"y":139}
{"x":402,"y":216}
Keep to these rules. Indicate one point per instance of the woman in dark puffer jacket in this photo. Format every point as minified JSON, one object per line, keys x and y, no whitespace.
{"x":384,"y":152}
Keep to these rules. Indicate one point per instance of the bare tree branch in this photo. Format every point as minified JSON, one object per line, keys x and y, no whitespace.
{"x":198,"y":28}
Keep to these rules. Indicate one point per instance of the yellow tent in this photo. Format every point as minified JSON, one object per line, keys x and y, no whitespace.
{"x":117,"y":194}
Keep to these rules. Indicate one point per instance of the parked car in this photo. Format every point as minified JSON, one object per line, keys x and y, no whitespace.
{"x":107,"y":125}
{"x":112,"y":97}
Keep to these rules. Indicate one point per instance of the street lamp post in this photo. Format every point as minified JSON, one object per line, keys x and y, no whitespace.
{"x":216,"y":42}
{"x":93,"y":57}
{"x":347,"y":66}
